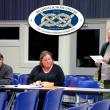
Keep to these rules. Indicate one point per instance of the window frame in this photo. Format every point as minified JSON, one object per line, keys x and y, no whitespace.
{"x":24,"y":48}
{"x":10,"y":42}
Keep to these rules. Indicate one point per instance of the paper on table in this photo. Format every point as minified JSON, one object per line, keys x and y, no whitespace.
{"x":97,"y":58}
{"x":26,"y":86}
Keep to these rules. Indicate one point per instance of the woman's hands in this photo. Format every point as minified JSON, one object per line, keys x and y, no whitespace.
{"x":43,"y":83}
{"x":47,"y":84}
{"x":37,"y":83}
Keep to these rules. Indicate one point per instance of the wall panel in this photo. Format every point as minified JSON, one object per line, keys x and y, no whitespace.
{"x":20,"y":9}
{"x":91,"y":8}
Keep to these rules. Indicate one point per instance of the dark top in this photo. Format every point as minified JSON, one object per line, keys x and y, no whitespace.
{"x":55,"y":75}
{"x":103,"y":49}
{"x":6,"y":73}
{"x":102,"y":52}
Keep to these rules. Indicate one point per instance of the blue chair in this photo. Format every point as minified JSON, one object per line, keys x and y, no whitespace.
{"x":15,"y":81}
{"x":101,"y":105}
{"x":79,"y":107}
{"x":71,"y":81}
{"x":26,"y":100}
{"x":67,"y":80}
{"x":15,"y":76}
{"x":89,"y":84}
{"x":85,"y":77}
{"x":89,"y":77}
{"x":53,"y":99}
{"x":3,"y":100}
{"x":23,"y":79}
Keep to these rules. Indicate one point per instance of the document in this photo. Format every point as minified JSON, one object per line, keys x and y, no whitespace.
{"x":27,"y":86}
{"x":97,"y":58}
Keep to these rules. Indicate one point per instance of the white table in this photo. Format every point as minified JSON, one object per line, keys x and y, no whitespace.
{"x":72,"y":90}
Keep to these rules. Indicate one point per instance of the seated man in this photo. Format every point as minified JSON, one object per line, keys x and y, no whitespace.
{"x":6,"y":72}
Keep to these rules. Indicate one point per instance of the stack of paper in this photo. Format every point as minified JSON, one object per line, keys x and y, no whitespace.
{"x":97,"y":58}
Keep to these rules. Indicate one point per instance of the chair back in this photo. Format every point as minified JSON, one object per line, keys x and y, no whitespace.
{"x":3,"y":100}
{"x":23,"y":79}
{"x":71,"y":81}
{"x":101,"y":105}
{"x":53,"y":99}
{"x":15,"y":81}
{"x":15,"y":76}
{"x":89,"y":84}
{"x":27,"y":100}
{"x":79,"y":107}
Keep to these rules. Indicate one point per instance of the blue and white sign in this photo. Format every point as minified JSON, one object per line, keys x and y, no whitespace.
{"x":56,"y":20}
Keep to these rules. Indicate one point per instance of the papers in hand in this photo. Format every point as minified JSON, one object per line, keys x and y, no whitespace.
{"x":97,"y":58}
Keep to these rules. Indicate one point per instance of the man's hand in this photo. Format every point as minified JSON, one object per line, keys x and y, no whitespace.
{"x":97,"y":64}
{"x":106,"y":60}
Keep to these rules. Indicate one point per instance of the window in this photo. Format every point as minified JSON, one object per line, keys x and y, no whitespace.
{"x":38,"y":42}
{"x":87,"y":44}
{"x":9,"y":33}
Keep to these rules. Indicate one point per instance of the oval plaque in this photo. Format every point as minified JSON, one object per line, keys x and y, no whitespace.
{"x":56,"y":20}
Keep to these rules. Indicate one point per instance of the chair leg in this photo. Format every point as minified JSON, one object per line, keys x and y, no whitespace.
{"x":11,"y":101}
{"x":77,"y":99}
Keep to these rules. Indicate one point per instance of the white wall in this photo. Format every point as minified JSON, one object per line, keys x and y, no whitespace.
{"x":15,"y":51}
